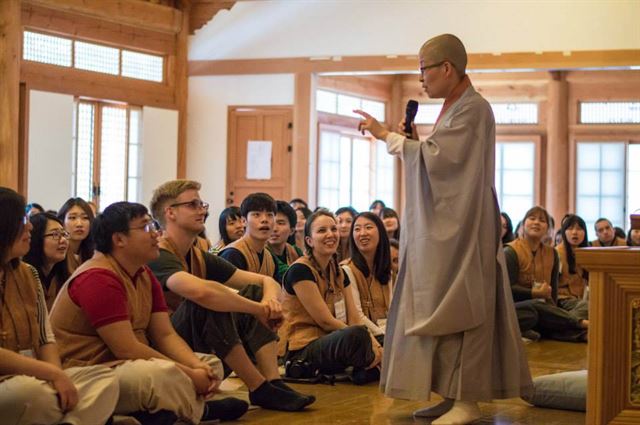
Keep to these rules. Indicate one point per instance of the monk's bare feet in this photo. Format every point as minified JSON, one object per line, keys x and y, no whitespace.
{"x":436,"y":410}
{"x":584,"y":324}
{"x":462,"y":412}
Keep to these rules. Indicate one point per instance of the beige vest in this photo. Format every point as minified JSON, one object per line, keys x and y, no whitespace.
{"x":532,"y":268}
{"x":302,"y":329}
{"x":570,"y":285}
{"x":51,"y":292}
{"x":78,"y":340}
{"x":266,"y":268}
{"x":19,"y":329}
{"x":198,"y":268}
{"x":73,"y":262}
{"x":375,"y":298}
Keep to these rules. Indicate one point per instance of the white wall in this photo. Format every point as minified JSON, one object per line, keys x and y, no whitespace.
{"x":281,"y":28}
{"x":209,"y":99}
{"x":50,"y":148}
{"x":159,"y":149}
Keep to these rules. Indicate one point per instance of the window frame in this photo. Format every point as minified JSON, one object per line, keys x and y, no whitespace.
{"x":347,"y":126}
{"x":97,"y":145}
{"x":606,"y":136}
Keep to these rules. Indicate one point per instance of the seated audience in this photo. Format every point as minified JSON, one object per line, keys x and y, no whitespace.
{"x":558,"y":238}
{"x":606,"y":235}
{"x":231,"y":227}
{"x":298,"y":203}
{"x":34,"y":388}
{"x":549,"y":239}
{"x":302,"y":214}
{"x":248,"y":253}
{"x":391,"y":222}
{"x":112,"y":312}
{"x":573,"y":280}
{"x":619,"y":232}
{"x":237,"y":327}
{"x":344,"y":218}
{"x":33,"y":209}
{"x":395,"y":260}
{"x":283,"y":252}
{"x":369,"y":271}
{"x":377,"y":206}
{"x":633,"y":237}
{"x":48,"y":252}
{"x":507,"y":228}
{"x":533,"y":273}
{"x":77,"y":216}
{"x":324,"y":328}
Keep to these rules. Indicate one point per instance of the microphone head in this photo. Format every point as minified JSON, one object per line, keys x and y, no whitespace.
{"x":412,"y":109}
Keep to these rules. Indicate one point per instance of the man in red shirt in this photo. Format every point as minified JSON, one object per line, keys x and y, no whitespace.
{"x":112,"y":312}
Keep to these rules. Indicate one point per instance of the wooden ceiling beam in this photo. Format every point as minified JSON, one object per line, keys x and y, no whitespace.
{"x":202,"y":11}
{"x":139,"y":14}
{"x":403,"y":64}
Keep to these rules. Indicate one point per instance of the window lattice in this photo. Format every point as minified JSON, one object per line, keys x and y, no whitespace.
{"x":142,"y":66}
{"x":610,"y":112}
{"x":93,"y":57}
{"x":46,"y":49}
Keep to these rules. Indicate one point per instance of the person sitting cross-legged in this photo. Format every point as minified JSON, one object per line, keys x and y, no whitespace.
{"x":112,"y":312}
{"x":214,"y":317}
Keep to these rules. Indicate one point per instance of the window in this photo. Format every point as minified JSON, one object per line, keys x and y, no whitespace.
{"x":609,"y":112}
{"x":515,"y":174}
{"x":107,"y":153}
{"x":505,"y":113}
{"x":92,"y":57}
{"x":344,"y":104}
{"x":607,"y":178}
{"x":353,"y":170}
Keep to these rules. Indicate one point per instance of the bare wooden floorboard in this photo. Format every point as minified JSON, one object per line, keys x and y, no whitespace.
{"x":351,"y":405}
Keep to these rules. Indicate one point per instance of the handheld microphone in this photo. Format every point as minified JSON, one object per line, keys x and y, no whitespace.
{"x":410,"y":115}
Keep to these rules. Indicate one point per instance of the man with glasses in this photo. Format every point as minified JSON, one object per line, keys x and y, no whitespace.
{"x":452,"y":327}
{"x":214,"y":316}
{"x":111,"y":311}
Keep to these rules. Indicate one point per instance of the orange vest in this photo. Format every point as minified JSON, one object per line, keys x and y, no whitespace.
{"x":532,"y":268}
{"x":19,"y":329}
{"x":78,"y":341}
{"x":51,"y":292}
{"x":267,"y":267}
{"x":570,"y":285}
{"x":73,"y":262}
{"x":198,"y":268}
{"x":302,"y":329}
{"x":375,"y":298}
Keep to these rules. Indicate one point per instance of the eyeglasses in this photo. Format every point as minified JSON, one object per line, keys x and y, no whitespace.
{"x":423,"y":69}
{"x":196,"y":204}
{"x":151,"y":226}
{"x":57,"y":234}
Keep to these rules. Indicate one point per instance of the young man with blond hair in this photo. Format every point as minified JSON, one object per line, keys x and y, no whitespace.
{"x":213,"y":317}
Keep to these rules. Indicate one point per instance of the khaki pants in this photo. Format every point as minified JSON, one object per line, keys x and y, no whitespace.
{"x":154,"y":385}
{"x":30,"y":401}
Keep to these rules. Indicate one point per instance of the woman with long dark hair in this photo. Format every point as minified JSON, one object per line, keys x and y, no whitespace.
{"x":369,"y":271}
{"x":35,"y":389}
{"x":573,"y":280}
{"x":344,"y":218}
{"x":230,"y":226}
{"x":533,"y":271}
{"x":77,"y":216}
{"x":391,"y":222}
{"x":47,"y":253}
{"x":324,"y":330}
{"x":507,"y":228}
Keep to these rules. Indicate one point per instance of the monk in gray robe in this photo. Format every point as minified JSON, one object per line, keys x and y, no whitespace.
{"x":452,"y":327}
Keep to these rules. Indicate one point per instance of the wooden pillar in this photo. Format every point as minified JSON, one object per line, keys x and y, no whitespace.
{"x":10,"y":51}
{"x":182,"y":87}
{"x":556,"y":196}
{"x":301,"y":131}
{"x":396,"y":114}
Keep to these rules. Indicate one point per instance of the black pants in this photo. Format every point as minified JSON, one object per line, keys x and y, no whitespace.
{"x":333,"y":353}
{"x":208,"y":331}
{"x":527,"y":315}
{"x":556,"y":323}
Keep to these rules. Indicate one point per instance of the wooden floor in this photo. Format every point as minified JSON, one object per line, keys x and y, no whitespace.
{"x":348,"y":404}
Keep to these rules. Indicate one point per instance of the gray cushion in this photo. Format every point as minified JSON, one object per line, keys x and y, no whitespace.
{"x":566,"y":390}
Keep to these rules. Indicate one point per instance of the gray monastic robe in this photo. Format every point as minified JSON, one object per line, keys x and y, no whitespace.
{"x":452,"y":327}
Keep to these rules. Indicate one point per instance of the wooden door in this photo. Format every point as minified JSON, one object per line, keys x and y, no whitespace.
{"x":248,"y":125}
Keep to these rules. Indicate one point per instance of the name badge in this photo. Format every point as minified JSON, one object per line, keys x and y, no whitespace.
{"x":27,"y":353}
{"x":341,"y":310}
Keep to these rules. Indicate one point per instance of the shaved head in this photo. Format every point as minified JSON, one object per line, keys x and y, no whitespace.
{"x":445,"y":47}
